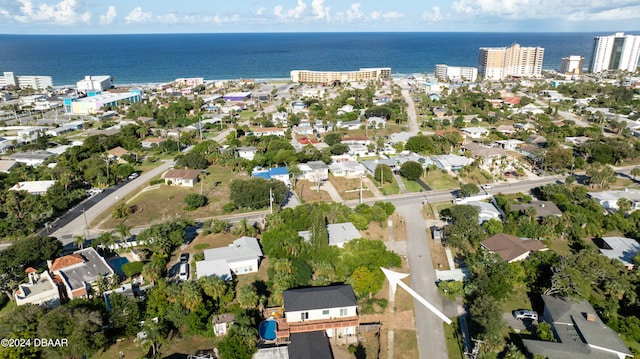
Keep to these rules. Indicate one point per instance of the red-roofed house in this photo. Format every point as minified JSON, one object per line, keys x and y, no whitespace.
{"x":511,"y":101}
{"x":152,"y":142}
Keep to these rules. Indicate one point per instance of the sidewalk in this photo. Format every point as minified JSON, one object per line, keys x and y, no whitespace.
{"x":328,"y":187}
{"x":372,"y":187}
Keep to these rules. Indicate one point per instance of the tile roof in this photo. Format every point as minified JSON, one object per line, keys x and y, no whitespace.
{"x":117,"y":151}
{"x":66,"y":261}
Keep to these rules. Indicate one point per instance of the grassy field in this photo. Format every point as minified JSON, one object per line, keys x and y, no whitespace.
{"x":412,"y":186}
{"x":348,"y":188}
{"x":454,"y":340}
{"x":439,"y":180}
{"x":475,"y":177}
{"x":177,"y":346}
{"x":167,"y":202}
{"x":405,"y":344}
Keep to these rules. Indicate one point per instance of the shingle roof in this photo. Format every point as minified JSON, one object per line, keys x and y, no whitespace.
{"x":342,"y":232}
{"x":312,"y":345}
{"x":338,"y":296}
{"x":182,"y":174}
{"x":511,"y":247}
{"x":622,"y":249}
{"x":543,"y":208}
{"x":118,"y":151}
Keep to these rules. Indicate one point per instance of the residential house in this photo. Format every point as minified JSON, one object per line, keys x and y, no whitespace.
{"x":345,"y":109}
{"x":577,"y":141}
{"x":439,"y":112}
{"x":349,"y":125}
{"x":304,"y":128}
{"x":620,"y":248}
{"x":511,"y":101}
{"x":528,"y":150}
{"x":358,"y":150}
{"x":382,"y":100}
{"x":376,"y":122}
{"x":512,"y":248}
{"x":280,"y":118}
{"x":241,"y":257}
{"x":332,"y":309}
{"x":38,"y":188}
{"x":579,"y":333}
{"x":530,"y":109}
{"x":6,"y":165}
{"x":475,"y":132}
{"x":152,"y":142}
{"x":79,"y":271}
{"x":486,"y":153}
{"x":371,"y":165}
{"x":268,"y":131}
{"x":506,"y":130}
{"x":41,"y":289}
{"x":609,"y":199}
{"x":57,"y":131}
{"x":356,"y":140}
{"x":542,"y":208}
{"x":32,"y":159}
{"x":313,"y":171}
{"x":128,"y":290}
{"x":185,"y":177}
{"x":450,"y":162}
{"x":487,"y":211}
{"x":221,"y":323}
{"x":509,"y":145}
{"x":277,"y":173}
{"x":349,"y":169}
{"x":237,"y":96}
{"x":116,"y":154}
{"x":537,"y":140}
{"x":248,"y":152}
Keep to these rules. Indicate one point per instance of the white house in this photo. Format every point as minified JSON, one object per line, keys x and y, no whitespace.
{"x":345,"y":109}
{"x":349,"y":169}
{"x":349,"y":125}
{"x":185,"y":177}
{"x":39,"y":290}
{"x":487,"y":211}
{"x":79,"y":271}
{"x":358,"y":150}
{"x":241,"y":257}
{"x":341,"y":233}
{"x":333,"y":309}
{"x":620,"y":248}
{"x":609,"y":199}
{"x":475,"y":132}
{"x":376,"y":122}
{"x":248,"y":152}
{"x":281,"y":118}
{"x":268,"y":131}
{"x":313,"y":171}
{"x":38,"y":188}
{"x":510,"y":145}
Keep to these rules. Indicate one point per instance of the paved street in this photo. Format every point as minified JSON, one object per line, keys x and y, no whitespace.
{"x":411,"y":110}
{"x":429,"y":329}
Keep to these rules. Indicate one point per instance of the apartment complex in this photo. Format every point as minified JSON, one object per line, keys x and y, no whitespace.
{"x":615,"y":52}
{"x":454,"y":73}
{"x":35,"y":82}
{"x":571,"y":64}
{"x":95,"y":83}
{"x":362,"y":75}
{"x":495,"y":63}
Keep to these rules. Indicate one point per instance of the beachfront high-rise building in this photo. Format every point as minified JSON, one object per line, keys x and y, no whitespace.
{"x":95,"y":83}
{"x":495,"y":63}
{"x":571,"y":64}
{"x":325,"y":77}
{"x":454,"y":73}
{"x":615,"y":52}
{"x":34,"y":82}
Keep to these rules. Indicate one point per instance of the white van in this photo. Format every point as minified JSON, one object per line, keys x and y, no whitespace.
{"x":184,"y":271}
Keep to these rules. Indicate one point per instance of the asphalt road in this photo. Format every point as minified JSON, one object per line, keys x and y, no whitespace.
{"x":429,"y":328}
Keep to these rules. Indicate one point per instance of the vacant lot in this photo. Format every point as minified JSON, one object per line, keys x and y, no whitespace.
{"x":306,"y":194}
{"x":166,"y":202}
{"x":349,"y":188}
{"x":440,"y":180}
{"x":176,"y":346}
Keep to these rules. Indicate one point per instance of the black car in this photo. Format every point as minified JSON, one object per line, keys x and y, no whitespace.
{"x":184,"y":258}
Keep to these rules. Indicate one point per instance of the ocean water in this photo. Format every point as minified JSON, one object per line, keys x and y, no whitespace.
{"x":163,"y":57}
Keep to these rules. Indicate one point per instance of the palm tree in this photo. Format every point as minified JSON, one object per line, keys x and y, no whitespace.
{"x":79,"y":241}
{"x":214,"y":287}
{"x":635,"y":172}
{"x":244,"y":229}
{"x":190,"y":295}
{"x":123,"y":231}
{"x":105,"y":240}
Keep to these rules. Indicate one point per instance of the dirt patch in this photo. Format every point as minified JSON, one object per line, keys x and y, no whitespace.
{"x":176,"y":346}
{"x":306,"y":194}
{"x":376,"y":231}
{"x":201,"y":242}
{"x":438,"y":255}
{"x":349,"y":188}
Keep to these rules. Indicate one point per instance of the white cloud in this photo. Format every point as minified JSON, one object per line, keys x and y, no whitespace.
{"x":319,"y":10}
{"x":260,"y":11}
{"x":170,"y":18}
{"x":137,"y":16}
{"x":108,"y":18}
{"x":66,"y":12}
{"x":434,"y":15}
{"x":354,"y":13}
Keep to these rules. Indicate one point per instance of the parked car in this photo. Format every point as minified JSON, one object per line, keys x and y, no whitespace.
{"x":134,"y":175}
{"x":184,"y":272}
{"x":525,"y":314}
{"x":184,"y":258}
{"x":486,"y":186}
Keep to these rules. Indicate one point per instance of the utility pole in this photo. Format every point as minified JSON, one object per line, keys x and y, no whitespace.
{"x":361,"y":177}
{"x":271,"y":200}
{"x":86,"y":225}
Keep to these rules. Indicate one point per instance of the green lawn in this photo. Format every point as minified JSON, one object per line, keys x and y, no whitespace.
{"x":412,"y":186}
{"x":390,"y":188}
{"x":439,"y":180}
{"x":454,"y":340}
{"x":247,"y":115}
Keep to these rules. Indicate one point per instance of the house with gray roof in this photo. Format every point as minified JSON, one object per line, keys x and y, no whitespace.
{"x":241,"y":257}
{"x":542,"y":208}
{"x":372,"y":164}
{"x":609,"y":199}
{"x":79,"y":271}
{"x":450,"y":162}
{"x":332,"y":309}
{"x":487,"y":211}
{"x":579,"y":331}
{"x":31,"y":158}
{"x":41,"y":289}
{"x":341,"y":233}
{"x":620,"y":248}
{"x":314,"y":170}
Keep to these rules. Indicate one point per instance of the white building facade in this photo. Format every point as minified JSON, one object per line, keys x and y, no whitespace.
{"x":446,"y":72}
{"x":615,"y":52}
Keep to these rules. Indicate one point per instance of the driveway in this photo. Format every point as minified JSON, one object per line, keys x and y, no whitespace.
{"x":429,"y":327}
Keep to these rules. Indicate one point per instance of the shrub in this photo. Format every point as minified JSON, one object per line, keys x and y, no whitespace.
{"x":131,"y":269}
{"x":195,"y":201}
{"x":156,"y":181}
{"x":229,"y":207}
{"x":201,"y":246}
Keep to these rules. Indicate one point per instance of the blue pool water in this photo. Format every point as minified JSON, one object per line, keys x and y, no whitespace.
{"x":267,"y":329}
{"x":117,"y":264}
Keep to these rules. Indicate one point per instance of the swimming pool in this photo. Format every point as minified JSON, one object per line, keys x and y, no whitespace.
{"x":117,"y":264}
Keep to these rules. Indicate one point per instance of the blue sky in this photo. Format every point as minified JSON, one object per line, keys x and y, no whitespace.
{"x":165,"y":16}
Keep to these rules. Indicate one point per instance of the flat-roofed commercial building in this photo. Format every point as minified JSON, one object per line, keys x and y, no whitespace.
{"x":35,"y":82}
{"x":446,"y":72}
{"x":615,"y":52}
{"x":362,"y":75}
{"x":95,"y":83}
{"x":495,"y":63}
{"x":571,"y":64}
